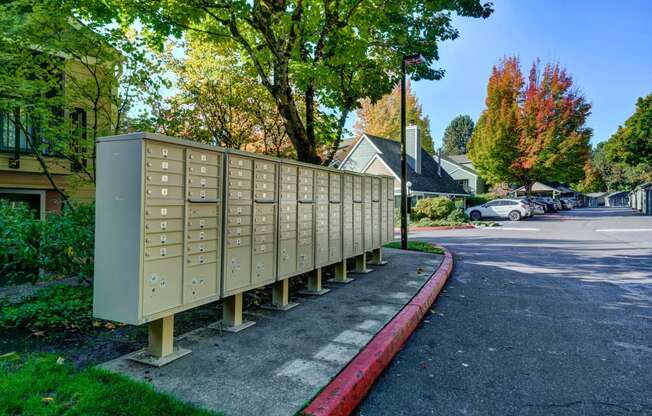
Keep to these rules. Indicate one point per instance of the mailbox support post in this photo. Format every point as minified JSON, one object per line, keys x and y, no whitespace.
{"x":314,"y":284}
{"x":232,"y":320}
{"x":340,"y":273}
{"x":281,"y":297}
{"x":361,"y":264}
{"x":377,"y":257}
{"x":160,"y":349}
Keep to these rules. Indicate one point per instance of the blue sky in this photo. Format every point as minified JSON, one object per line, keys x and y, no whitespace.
{"x":605,"y":45}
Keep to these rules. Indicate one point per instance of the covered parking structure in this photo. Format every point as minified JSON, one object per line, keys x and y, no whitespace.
{"x":641,"y":198}
{"x":617,"y":199}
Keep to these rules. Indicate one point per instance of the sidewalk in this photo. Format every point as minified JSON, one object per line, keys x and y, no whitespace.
{"x":277,"y":366}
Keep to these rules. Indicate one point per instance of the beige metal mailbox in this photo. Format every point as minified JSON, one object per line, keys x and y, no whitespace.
{"x":180,"y":224}
{"x":158,"y":222}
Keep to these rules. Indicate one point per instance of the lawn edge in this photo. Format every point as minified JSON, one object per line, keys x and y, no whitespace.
{"x":343,"y":394}
{"x":439,"y":228}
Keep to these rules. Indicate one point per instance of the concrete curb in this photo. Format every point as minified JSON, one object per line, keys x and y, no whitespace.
{"x":343,"y":394}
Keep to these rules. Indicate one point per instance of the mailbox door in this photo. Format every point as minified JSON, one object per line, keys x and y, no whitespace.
{"x":335,"y":232}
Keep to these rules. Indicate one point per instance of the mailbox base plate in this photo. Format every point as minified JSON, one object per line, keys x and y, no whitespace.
{"x":381,"y":263}
{"x":314,"y":292}
{"x":345,"y":281}
{"x":145,"y":357}
{"x":237,"y":328}
{"x":365,"y":271}
{"x":285,"y":307}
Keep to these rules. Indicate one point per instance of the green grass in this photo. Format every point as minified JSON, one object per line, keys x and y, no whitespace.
{"x":417,"y":246}
{"x":41,"y":386}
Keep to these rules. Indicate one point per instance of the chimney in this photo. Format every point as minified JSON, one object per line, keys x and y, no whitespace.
{"x":439,"y":162}
{"x":413,"y":147}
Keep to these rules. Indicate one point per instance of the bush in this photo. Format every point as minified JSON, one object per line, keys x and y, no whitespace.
{"x":59,"y":306}
{"x":62,"y":245}
{"x":457,"y":215}
{"x":67,"y":243}
{"x":433,"y":208}
{"x":19,"y":243}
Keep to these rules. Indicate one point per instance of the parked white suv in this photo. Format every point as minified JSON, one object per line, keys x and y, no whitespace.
{"x":514,"y":209}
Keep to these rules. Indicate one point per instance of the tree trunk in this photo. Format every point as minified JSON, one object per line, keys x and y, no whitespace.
{"x":310,"y":113}
{"x":296,"y":131}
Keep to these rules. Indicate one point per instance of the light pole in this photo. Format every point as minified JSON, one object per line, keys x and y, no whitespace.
{"x":414,"y":59}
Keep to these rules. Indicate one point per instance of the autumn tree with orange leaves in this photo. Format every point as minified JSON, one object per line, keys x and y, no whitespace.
{"x":531,"y":130}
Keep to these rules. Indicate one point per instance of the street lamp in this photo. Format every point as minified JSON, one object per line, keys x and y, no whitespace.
{"x":414,"y":59}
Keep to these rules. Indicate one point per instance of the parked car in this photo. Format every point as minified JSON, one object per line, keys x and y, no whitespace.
{"x":566,"y":203}
{"x":558,"y":205}
{"x":539,"y":208}
{"x":513,"y":209}
{"x":548,"y":204}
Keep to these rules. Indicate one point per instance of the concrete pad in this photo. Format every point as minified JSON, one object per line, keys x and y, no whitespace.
{"x":277,"y":366}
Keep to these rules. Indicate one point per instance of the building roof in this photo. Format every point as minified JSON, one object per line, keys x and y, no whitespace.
{"x":597,"y":194}
{"x":617,"y":193}
{"x":429,"y":179}
{"x":644,"y":185}
{"x":462,"y":162}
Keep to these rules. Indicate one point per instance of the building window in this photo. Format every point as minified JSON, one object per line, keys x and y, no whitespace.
{"x":464,"y":183}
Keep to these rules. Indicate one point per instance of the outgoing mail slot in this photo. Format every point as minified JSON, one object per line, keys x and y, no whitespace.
{"x":238,"y":242}
{"x":167,"y":211}
{"x":202,"y":247}
{"x":201,"y":210}
{"x":203,"y":170}
{"x":164,"y":179}
{"x":164,"y":151}
{"x":164,"y":166}
{"x":202,"y":223}
{"x":200,"y":156}
{"x":239,"y":220}
{"x":157,"y":253}
{"x":239,"y":210}
{"x":239,"y":162}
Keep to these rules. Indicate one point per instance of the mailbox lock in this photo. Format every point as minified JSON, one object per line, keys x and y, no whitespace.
{"x":202,"y":169}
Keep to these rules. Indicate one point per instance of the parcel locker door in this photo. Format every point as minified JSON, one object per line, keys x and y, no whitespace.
{"x":347,"y":229}
{"x":237,"y":269}
{"x":358,"y":229}
{"x":162,"y":284}
{"x":335,"y":233}
{"x":383,"y":210}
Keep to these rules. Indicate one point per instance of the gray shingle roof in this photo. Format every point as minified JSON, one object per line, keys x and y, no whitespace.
{"x":429,"y":179}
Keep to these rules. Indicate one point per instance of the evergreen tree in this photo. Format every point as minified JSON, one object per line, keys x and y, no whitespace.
{"x":457,"y":135}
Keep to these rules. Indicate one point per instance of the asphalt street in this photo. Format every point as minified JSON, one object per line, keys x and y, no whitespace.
{"x":548,"y":316}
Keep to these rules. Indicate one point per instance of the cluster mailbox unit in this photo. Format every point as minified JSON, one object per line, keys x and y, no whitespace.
{"x":180,"y":224}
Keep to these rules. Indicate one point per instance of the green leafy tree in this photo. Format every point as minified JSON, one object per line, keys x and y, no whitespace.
{"x":331,"y":52}
{"x":629,"y":150}
{"x":383,"y":118}
{"x":457,"y":134}
{"x":531,"y":131}
{"x":64,"y":83}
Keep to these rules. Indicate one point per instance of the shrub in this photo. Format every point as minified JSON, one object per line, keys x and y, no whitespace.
{"x":433,"y":208}
{"x":457,"y":215}
{"x":19,"y":243}
{"x":67,"y":243}
{"x":59,"y":306}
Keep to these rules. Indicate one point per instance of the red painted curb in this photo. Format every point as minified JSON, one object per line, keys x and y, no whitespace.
{"x":439,"y":228}
{"x":343,"y":394}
